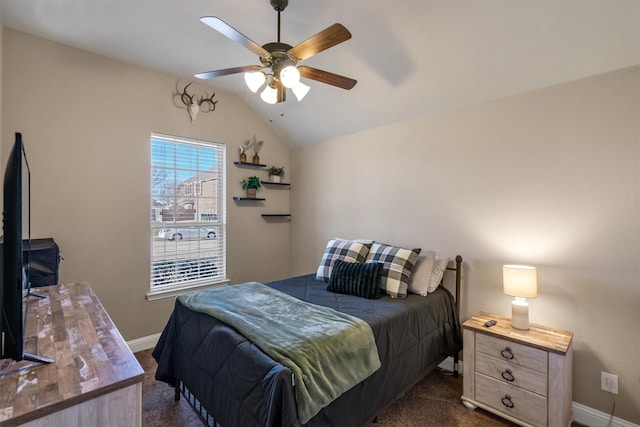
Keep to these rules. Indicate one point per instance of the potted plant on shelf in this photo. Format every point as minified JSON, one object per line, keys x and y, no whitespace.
{"x":275,"y":174}
{"x":252,"y":185}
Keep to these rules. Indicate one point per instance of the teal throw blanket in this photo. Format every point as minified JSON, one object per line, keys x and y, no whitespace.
{"x":328,"y":352}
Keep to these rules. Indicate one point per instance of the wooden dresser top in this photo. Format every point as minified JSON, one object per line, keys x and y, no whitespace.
{"x":91,"y":358}
{"x":542,"y":337}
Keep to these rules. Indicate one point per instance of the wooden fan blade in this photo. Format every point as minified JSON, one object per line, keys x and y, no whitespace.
{"x":327,"y":77}
{"x":325,"y":39}
{"x":227,"y":71}
{"x":227,"y":30}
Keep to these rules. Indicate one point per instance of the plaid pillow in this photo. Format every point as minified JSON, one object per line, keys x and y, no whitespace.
{"x":339,"y":249}
{"x":398,"y":264}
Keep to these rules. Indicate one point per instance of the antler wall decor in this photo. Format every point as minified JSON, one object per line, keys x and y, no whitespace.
{"x":193,"y":106}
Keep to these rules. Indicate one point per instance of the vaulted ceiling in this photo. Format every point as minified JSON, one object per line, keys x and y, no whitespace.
{"x":411,"y":57}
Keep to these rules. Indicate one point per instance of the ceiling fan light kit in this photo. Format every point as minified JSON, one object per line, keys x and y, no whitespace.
{"x":280,"y":60}
{"x":300,"y":90}
{"x":269,"y":95}
{"x":289,"y":76}
{"x":254,"y":80}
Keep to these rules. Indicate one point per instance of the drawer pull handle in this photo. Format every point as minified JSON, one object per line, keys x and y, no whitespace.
{"x":506,"y":401}
{"x":508,"y":376}
{"x":507,"y":353}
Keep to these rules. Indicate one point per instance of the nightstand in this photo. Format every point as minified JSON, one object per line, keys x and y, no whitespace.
{"x":522,"y":376}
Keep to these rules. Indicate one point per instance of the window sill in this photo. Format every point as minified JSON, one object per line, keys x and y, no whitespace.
{"x":157,"y":294}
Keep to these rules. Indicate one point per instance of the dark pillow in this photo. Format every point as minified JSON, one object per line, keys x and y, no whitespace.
{"x":354,"y":278}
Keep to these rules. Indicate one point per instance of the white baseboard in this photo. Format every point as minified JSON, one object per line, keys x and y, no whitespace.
{"x":594,"y":418}
{"x":581,"y":413}
{"x":143,"y":343}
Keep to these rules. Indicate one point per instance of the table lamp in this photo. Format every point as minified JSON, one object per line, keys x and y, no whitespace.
{"x":520,"y":281}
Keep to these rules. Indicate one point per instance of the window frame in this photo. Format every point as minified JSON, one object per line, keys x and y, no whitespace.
{"x":204,"y":249}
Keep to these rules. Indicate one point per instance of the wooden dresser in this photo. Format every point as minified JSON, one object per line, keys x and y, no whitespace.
{"x":94,"y":380}
{"x":523,"y":376}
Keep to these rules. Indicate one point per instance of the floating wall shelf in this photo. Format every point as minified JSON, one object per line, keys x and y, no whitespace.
{"x":250,"y":165}
{"x":284,"y":184}
{"x":273,"y":216}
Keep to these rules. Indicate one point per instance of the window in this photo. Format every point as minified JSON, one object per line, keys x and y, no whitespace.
{"x":188,"y":215}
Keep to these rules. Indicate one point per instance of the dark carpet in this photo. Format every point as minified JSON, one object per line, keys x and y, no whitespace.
{"x":435,"y":401}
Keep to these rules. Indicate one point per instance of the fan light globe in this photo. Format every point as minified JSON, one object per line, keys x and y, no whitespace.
{"x":300,"y":90}
{"x":289,"y":76}
{"x":269,"y":95}
{"x":254,"y":80}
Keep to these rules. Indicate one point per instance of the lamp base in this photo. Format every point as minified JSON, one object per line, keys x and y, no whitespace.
{"x":520,"y":315}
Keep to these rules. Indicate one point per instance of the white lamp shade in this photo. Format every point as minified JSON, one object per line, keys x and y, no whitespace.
{"x":254,"y":80}
{"x":269,"y":95}
{"x":289,"y":76}
{"x":300,"y":90}
{"x":520,"y":281}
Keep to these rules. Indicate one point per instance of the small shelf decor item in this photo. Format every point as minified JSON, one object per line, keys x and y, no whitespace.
{"x":251,"y":184}
{"x":257,"y":145}
{"x":256,"y":149}
{"x":275,"y":174}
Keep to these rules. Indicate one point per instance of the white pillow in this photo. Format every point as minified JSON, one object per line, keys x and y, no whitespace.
{"x":439,"y":266}
{"x":421,"y":274}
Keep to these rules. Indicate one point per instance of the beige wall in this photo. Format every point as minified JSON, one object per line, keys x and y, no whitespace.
{"x":549,"y":178}
{"x":86,"y":122}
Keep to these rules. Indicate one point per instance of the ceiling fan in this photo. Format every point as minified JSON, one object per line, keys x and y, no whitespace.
{"x":279,"y":60}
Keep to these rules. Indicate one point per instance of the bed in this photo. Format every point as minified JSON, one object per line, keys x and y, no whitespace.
{"x":231,"y":382}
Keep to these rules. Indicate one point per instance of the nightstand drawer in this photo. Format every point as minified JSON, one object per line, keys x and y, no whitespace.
{"x":516,"y":402}
{"x":511,"y":373}
{"x":513,"y":353}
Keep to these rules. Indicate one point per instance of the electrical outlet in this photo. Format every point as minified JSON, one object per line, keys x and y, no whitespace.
{"x":609,"y":382}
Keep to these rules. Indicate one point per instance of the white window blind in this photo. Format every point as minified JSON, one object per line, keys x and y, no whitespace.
{"x":188,"y":215}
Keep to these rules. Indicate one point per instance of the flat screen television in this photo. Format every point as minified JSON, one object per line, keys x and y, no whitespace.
{"x":16,"y":249}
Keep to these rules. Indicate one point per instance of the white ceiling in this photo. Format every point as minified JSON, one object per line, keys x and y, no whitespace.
{"x":411,"y":57}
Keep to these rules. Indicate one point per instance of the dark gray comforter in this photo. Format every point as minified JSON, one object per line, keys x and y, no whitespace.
{"x":241,"y":386}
